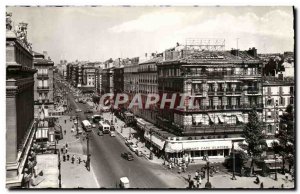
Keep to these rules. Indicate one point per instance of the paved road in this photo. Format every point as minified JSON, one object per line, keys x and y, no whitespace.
{"x":109,"y":166}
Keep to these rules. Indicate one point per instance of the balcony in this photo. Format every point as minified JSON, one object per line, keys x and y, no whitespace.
{"x":43,"y":88}
{"x":42,"y":101}
{"x":211,"y":93}
{"x":253,"y":91}
{"x":212,"y":129}
{"x":221,"y":107}
{"x":42,"y":76}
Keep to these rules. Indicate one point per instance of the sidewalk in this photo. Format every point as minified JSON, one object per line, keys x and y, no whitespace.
{"x":220,"y":180}
{"x":74,"y":175}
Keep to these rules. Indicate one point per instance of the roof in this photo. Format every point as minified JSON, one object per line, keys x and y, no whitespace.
{"x":190,"y":56}
{"x":42,"y":61}
{"x":154,"y":60}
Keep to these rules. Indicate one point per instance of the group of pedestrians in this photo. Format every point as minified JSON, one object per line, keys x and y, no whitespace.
{"x":181,"y":163}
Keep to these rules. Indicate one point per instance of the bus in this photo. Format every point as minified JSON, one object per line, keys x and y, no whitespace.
{"x":105,"y":127}
{"x":86,"y":125}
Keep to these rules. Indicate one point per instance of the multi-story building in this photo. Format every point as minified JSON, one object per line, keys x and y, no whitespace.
{"x":223,"y":86}
{"x":107,"y":80}
{"x":20,"y":124}
{"x":118,"y":80}
{"x":148,"y":85}
{"x":87,"y":77}
{"x":131,"y":80}
{"x":278,"y":93}
{"x":43,"y":85}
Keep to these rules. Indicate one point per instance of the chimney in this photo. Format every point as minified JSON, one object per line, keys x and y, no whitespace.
{"x":252,"y":52}
{"x":45,"y":54}
{"x":235,"y":52}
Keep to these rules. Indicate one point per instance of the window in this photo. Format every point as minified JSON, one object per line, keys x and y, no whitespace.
{"x":269,"y":129}
{"x":291,"y":90}
{"x":292,"y":100}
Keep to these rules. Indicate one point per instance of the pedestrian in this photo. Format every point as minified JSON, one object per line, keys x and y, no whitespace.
{"x":189,"y":178}
{"x":198,"y":184}
{"x":65,"y":121}
{"x":282,"y":186}
{"x":64,"y":157}
{"x":256,"y":180}
{"x":286,"y":177}
{"x":200,"y":180}
{"x":66,"y":150}
{"x":62,"y":150}
{"x":68,"y":157}
{"x":184,"y":167}
{"x":73,"y":159}
{"x":191,"y":184}
{"x":79,"y":160}
{"x":179,"y":169}
{"x":196,"y":175}
{"x":261,"y":185}
{"x":65,"y":131}
{"x":66,"y":145}
{"x":170,"y":165}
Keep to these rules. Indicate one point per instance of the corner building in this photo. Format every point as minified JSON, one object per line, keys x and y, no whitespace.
{"x":224,"y":86}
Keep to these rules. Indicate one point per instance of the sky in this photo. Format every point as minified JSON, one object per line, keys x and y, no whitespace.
{"x":100,"y":33}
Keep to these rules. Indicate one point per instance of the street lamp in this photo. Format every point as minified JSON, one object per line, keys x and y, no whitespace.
{"x":233,"y":163}
{"x":275,"y":167}
{"x":88,"y":161}
{"x":77,"y":117}
{"x":151,"y":153}
{"x":207,"y":167}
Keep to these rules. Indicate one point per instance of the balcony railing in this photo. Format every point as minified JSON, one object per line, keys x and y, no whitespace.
{"x":42,"y":76}
{"x":223,"y":107}
{"x":43,"y":87}
{"x":253,"y":91}
{"x":213,"y":129}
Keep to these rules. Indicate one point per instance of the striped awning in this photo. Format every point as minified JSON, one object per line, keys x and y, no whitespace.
{"x":41,"y":133}
{"x":240,"y":118}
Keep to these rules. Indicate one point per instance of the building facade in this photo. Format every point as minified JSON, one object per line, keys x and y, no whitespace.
{"x":278,"y":93}
{"x":148,"y":85}
{"x":20,"y":124}
{"x":43,"y":85}
{"x":131,"y":80}
{"x":222,"y":86}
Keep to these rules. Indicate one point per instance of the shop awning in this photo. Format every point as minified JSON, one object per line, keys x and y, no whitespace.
{"x":156,"y":141}
{"x":221,"y":118}
{"x":240,"y":118}
{"x":193,"y":145}
{"x":41,"y":133}
{"x":213,"y":118}
{"x":198,"y":118}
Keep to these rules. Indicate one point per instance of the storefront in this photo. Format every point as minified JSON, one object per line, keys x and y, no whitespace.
{"x":157,"y":143}
{"x":196,"y":149}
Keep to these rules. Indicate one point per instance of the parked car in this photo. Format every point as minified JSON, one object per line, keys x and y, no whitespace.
{"x":133,"y":147}
{"x":78,"y":110}
{"x":112,"y":134}
{"x":128,"y":142}
{"x":139,"y":153}
{"x":88,"y":111}
{"x":128,"y":156}
{"x":100,"y":133}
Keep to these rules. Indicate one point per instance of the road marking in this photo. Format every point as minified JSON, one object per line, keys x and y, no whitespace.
{"x":96,"y":180}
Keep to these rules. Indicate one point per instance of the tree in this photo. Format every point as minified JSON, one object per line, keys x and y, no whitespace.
{"x":254,"y":137}
{"x":286,"y":138}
